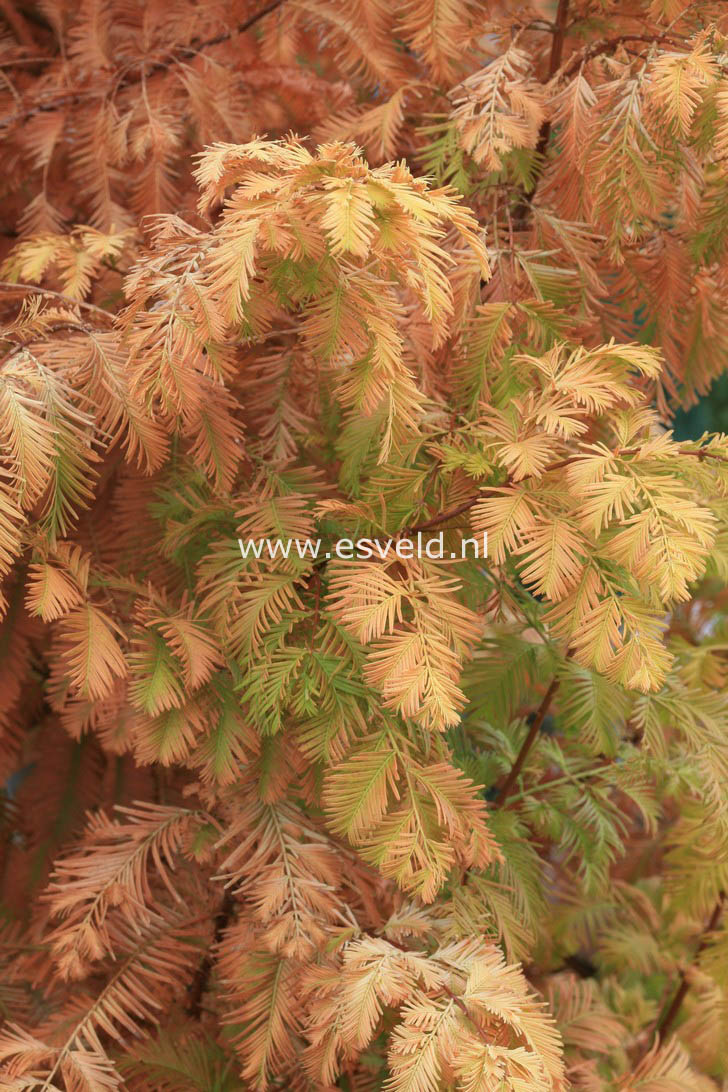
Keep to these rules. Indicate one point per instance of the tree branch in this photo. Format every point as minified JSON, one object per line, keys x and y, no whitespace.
{"x":57,"y":295}
{"x":158,"y":66}
{"x":443,"y":517}
{"x":528,"y":742}
{"x":557,"y":51}
{"x":240,"y":29}
{"x":603,"y":46}
{"x":451,"y":513}
{"x":666,"y":1021}
{"x":487,"y":1039}
{"x":610,"y":45}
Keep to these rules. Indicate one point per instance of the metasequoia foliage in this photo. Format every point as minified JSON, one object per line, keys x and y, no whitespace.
{"x":347,"y":269}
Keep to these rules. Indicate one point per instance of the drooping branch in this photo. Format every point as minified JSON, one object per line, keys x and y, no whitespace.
{"x":603,"y":47}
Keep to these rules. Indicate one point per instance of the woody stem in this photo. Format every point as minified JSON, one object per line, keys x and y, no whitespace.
{"x":528,"y":742}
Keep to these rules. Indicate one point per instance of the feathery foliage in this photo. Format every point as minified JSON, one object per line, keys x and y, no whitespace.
{"x":416,"y":820}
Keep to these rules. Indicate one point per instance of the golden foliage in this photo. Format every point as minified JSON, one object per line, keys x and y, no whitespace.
{"x":323,"y":271}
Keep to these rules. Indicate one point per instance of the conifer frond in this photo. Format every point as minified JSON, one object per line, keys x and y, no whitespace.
{"x":664,"y":1069}
{"x":193,"y":645}
{"x":414,"y":828}
{"x":377,"y":129}
{"x":358,"y":790}
{"x":91,"y":651}
{"x":120,"y":415}
{"x":555,"y":553}
{"x":161,"y":952}
{"x":584,"y":1019}
{"x":287,"y":870}
{"x":266,"y":985}
{"x":498,"y":109}
{"x":110,"y":874}
{"x":56,"y":584}
{"x":26,"y":433}
{"x":167,"y":1064}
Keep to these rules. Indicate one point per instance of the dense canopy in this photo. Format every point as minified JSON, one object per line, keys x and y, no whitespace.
{"x":347,"y":270}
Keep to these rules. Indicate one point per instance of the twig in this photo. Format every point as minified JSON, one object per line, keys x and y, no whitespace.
{"x":159,"y":66}
{"x":464,"y":1009}
{"x":610,"y":45}
{"x":240,"y":29}
{"x":558,"y":71}
{"x":443,"y":517}
{"x":528,"y":742}
{"x":557,"y":51}
{"x":666,"y":1021}
{"x":57,"y":295}
{"x":701,"y":453}
{"x":568,"y":779}
{"x":451,"y":513}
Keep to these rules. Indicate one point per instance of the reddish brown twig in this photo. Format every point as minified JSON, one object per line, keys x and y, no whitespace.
{"x":666,"y":1021}
{"x":609,"y":45}
{"x":528,"y":742}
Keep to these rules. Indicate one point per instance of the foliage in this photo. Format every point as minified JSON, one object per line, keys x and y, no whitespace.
{"x":345,"y":269}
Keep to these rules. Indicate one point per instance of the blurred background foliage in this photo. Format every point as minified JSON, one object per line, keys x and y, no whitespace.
{"x":709,"y":414}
